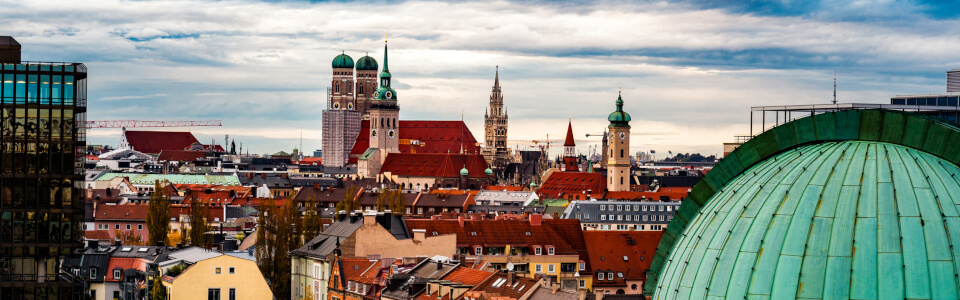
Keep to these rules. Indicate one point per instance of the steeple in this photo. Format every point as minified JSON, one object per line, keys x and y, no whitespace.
{"x":496,"y":80}
{"x":385,"y":74}
{"x":569,"y":142}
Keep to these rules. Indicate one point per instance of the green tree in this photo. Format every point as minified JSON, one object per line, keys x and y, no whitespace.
{"x":198,"y":222}
{"x":349,"y":202}
{"x":398,"y":203}
{"x":158,"y":215}
{"x":312,"y":223}
{"x":279,"y":231}
{"x":383,"y":199}
{"x":158,"y":293}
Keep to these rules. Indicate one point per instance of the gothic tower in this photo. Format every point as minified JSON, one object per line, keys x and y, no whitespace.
{"x":384,"y":125}
{"x":366,"y":82}
{"x":570,"y":151}
{"x":495,"y":125}
{"x":342,"y":85}
{"x":618,"y":165}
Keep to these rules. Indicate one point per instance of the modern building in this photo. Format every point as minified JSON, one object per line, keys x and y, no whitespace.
{"x":495,"y":126}
{"x":852,"y":204}
{"x":41,"y":173}
{"x":953,"y":81}
{"x":621,"y":215}
{"x":506,"y":198}
{"x":618,"y":137}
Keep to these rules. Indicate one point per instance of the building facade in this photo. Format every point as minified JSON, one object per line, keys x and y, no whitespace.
{"x":621,"y":215}
{"x":41,"y":173}
{"x":618,"y":166}
{"x":341,"y":119}
{"x":384,"y":125}
{"x":495,"y":126}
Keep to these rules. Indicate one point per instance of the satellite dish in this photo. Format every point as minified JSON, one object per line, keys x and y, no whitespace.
{"x":510,"y":266}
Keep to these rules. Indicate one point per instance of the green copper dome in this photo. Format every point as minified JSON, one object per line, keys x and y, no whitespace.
{"x":844,"y":205}
{"x":619,"y":118}
{"x":464,"y":171}
{"x":342,"y":61}
{"x":367,"y":63}
{"x":488,"y":171}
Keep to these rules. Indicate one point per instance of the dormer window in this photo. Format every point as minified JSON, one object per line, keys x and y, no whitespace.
{"x":116,"y":274}
{"x":599,"y":275}
{"x":478,"y":250}
{"x":537,"y":250}
{"x":549,"y":250}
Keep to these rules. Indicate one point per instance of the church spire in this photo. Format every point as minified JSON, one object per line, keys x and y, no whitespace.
{"x":496,"y":80}
{"x":386,"y":69}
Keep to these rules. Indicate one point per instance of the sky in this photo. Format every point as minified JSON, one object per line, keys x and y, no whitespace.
{"x":693,"y":68}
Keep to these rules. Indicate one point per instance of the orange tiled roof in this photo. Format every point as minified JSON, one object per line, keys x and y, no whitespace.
{"x":434,"y":136}
{"x":607,"y":250}
{"x":573,"y":183}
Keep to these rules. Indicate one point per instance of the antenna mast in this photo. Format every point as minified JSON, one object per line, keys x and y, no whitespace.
{"x":834,"y":86}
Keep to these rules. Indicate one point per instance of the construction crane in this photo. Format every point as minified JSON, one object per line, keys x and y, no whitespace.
{"x":139,"y":123}
{"x":640,"y":133}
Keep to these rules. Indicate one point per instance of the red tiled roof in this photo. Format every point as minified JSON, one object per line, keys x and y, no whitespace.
{"x":496,"y":233}
{"x":181,"y":155}
{"x":215,"y":197}
{"x":154,"y":142}
{"x":313,"y":161}
{"x":468,"y":276}
{"x":212,"y":212}
{"x":97,"y":235}
{"x":92,"y":157}
{"x":608,"y":248}
{"x":508,"y":188}
{"x":126,"y":212}
{"x":521,"y":286}
{"x":434,"y":136}
{"x":674,"y":193}
{"x":435,"y":165}
{"x":215,"y":148}
{"x":122,"y":263}
{"x":573,"y":183}
{"x":569,"y":141}
{"x":353,"y":268}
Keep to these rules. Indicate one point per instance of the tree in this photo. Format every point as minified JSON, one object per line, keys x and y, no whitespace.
{"x":383,"y":198}
{"x":198,"y":222}
{"x":184,"y":235}
{"x":158,"y":293}
{"x":158,"y":215}
{"x":128,"y":238}
{"x":312,"y":223}
{"x":175,"y":238}
{"x":279,"y":231}
{"x":398,"y":202}
{"x":349,"y":202}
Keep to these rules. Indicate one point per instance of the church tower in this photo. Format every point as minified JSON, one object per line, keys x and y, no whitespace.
{"x":618,"y":164}
{"x":366,"y":83}
{"x":570,"y":151}
{"x":342,"y":85}
{"x":495,"y":124}
{"x":384,"y":125}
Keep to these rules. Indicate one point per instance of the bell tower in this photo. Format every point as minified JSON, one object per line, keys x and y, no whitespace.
{"x":341,"y":87}
{"x":384,"y":125}
{"x":618,"y":139}
{"x":495,"y":126}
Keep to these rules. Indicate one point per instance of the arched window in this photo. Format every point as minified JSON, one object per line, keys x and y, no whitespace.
{"x":394,"y":123}
{"x":621,"y":180}
{"x":621,"y":153}
{"x":381,"y":121}
{"x":336,"y":88}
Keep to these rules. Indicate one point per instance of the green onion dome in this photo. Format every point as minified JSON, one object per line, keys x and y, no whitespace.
{"x":619,"y":118}
{"x":342,"y":61}
{"x":464,"y":171}
{"x":488,"y":171}
{"x":367,"y":63}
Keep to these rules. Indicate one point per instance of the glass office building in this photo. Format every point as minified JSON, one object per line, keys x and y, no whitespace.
{"x":42,"y":105}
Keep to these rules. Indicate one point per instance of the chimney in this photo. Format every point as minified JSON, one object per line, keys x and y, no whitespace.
{"x":419,"y":235}
{"x":249,"y":175}
{"x":511,"y":276}
{"x":460,"y":218}
{"x":536,"y":219}
{"x":369,"y":219}
{"x":9,"y":50}
{"x":316,"y":185}
{"x":439,"y":265}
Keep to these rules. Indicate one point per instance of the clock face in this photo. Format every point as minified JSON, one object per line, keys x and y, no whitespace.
{"x":376,"y":94}
{"x":389,"y":95}
{"x":623,"y":136}
{"x":611,"y":135}
{"x":391,"y":134}
{"x":373,"y":133}
{"x":336,"y":105}
{"x":349,"y":105}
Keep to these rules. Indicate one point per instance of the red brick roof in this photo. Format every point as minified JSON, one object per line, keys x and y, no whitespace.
{"x":97,"y":235}
{"x":608,"y":248}
{"x":215,"y":197}
{"x":674,"y":193}
{"x":353,"y":268}
{"x":435,"y":165}
{"x":181,"y":155}
{"x":212,"y":212}
{"x":313,"y":161}
{"x":122,"y":263}
{"x":496,"y":233}
{"x":126,"y":212}
{"x":569,"y":141}
{"x":435,"y":137}
{"x":515,"y":290}
{"x":573,"y":183}
{"x":468,"y":276}
{"x":154,"y":142}
{"x":508,"y":188}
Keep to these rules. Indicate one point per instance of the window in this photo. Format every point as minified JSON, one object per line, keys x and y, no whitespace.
{"x":139,"y":226}
{"x":603,"y":217}
{"x":582,"y":265}
{"x":661,"y":217}
{"x":128,"y":226}
{"x":610,"y":207}
{"x":233,"y":270}
{"x":116,"y":294}
{"x":478,"y":250}
{"x":627,"y":207}
{"x":116,"y":274}
{"x":551,"y":268}
{"x":93,"y":272}
{"x":603,"y":207}
{"x":610,"y":276}
{"x":661,"y":207}
{"x":636,"y":217}
{"x":636,"y":208}
{"x":582,"y":283}
{"x":116,"y":226}
{"x":217,"y":270}
{"x":420,"y":210}
{"x":213,"y":294}
{"x":619,"y":217}
{"x":645,"y":217}
{"x":619,"y":207}
{"x":669,"y":208}
{"x":536,"y":250}
{"x":550,"y":251}
{"x":644,"y":208}
{"x":233,"y":294}
{"x":539,"y":268}
{"x":599,"y":275}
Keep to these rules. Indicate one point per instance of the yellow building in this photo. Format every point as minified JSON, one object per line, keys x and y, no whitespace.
{"x":221,"y":277}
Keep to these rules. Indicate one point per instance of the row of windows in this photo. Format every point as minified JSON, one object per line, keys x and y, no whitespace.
{"x":38,"y":227}
{"x":33,"y":88}
{"x":624,"y":227}
{"x":34,"y":193}
{"x":30,"y":123}
{"x":627,"y":218}
{"x":117,"y":226}
{"x":214,"y":294}
{"x":218,"y":270}
{"x":620,"y":207}
{"x":938,"y":101}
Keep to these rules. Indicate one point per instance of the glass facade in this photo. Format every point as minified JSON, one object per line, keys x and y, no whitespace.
{"x":41,"y":177}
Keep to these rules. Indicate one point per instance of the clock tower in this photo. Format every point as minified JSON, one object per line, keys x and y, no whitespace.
{"x":618,"y":163}
{"x":384,"y":125}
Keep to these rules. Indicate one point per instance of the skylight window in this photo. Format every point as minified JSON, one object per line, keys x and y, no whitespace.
{"x":126,"y":249}
{"x":142,"y":250}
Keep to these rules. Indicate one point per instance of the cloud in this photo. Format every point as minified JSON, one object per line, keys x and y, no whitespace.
{"x":699,"y":66}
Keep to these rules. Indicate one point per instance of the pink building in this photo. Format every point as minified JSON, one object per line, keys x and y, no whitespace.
{"x":123,"y":218}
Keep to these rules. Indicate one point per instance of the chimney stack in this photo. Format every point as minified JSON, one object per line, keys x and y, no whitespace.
{"x":460,"y":218}
{"x":419,"y":235}
{"x":9,"y":50}
{"x":536,"y":219}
